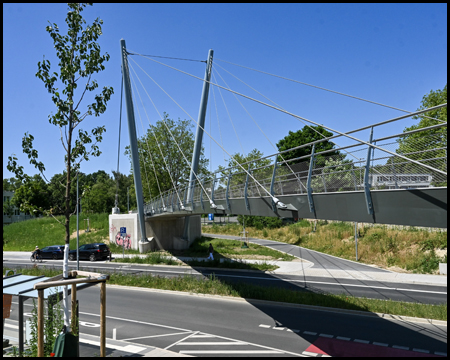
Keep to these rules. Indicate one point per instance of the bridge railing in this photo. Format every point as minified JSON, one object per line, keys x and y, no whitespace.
{"x":344,"y":171}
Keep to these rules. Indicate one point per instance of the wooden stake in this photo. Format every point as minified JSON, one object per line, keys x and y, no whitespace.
{"x":40,"y":323}
{"x":73,"y":321}
{"x":103,"y":319}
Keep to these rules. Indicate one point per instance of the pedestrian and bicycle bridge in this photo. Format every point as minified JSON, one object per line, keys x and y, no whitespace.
{"x":399,"y":179}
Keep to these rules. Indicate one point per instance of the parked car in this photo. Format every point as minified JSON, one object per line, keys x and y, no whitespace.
{"x":53,"y":252}
{"x":92,"y":252}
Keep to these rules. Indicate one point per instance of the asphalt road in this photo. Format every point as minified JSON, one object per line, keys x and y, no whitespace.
{"x":422,"y":293}
{"x":208,"y":326}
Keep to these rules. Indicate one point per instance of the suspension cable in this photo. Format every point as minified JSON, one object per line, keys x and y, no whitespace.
{"x":229,"y":116}
{"x":218,"y":122}
{"x":311,"y":127}
{"x":159,"y":147}
{"x":276,"y":201}
{"x":321,"y":88}
{"x":148,"y":146}
{"x":270,"y":142}
{"x":176,"y":142}
{"x":317,"y":124}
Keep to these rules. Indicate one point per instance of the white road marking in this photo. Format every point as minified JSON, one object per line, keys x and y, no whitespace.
{"x":400,"y":347}
{"x":309,"y":333}
{"x":309,"y":353}
{"x":202,"y":336}
{"x":127,"y":348}
{"x":11,"y":326}
{"x":421,"y":350}
{"x":187,"y":337}
{"x":154,"y":336}
{"x":379,"y":344}
{"x":230,"y":352}
{"x":264,"y":326}
{"x":361,"y":341}
{"x":342,"y":338}
{"x":326,"y":335}
{"x":278,"y":328}
{"x":440,"y":353}
{"x":212,"y":343}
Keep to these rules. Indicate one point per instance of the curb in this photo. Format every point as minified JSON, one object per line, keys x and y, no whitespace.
{"x":301,"y":306}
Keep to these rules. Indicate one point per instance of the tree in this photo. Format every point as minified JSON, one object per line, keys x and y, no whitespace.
{"x":11,"y":184}
{"x":303,"y":136}
{"x":160,"y":158}
{"x":429,"y":146}
{"x":79,"y":58}
{"x":32,"y":197}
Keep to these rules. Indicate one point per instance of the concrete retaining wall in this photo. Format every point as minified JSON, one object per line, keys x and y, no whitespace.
{"x":166,"y":232}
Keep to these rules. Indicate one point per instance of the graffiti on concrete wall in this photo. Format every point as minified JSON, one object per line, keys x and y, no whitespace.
{"x":124,"y":241}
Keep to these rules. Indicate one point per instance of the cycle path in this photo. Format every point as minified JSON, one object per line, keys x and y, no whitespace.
{"x":314,"y":263}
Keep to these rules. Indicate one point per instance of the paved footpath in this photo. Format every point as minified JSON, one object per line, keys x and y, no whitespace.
{"x":314,"y":263}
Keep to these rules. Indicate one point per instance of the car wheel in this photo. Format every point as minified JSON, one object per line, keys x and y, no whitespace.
{"x":54,"y":257}
{"x":71,"y":257}
{"x":92,"y":257}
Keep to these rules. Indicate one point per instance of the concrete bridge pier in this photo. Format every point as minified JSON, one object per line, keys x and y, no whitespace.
{"x":162,"y":232}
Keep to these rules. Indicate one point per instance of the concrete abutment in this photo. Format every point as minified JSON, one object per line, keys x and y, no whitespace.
{"x":163,"y":232}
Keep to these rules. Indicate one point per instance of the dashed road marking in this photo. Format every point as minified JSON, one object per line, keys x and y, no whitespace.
{"x":379,"y":344}
{"x":421,"y":350}
{"x":362,"y":341}
{"x":326,"y":335}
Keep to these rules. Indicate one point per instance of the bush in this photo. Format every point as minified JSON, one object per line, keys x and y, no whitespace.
{"x":260,"y":222}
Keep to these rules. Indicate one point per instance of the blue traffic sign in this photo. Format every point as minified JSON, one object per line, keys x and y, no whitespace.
{"x":123,"y":230}
{"x":210,"y":217}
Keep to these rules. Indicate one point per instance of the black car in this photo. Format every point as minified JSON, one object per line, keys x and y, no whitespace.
{"x":92,"y":252}
{"x":53,"y":252}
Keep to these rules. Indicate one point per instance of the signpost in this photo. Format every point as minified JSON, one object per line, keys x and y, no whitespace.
{"x":123,"y":233}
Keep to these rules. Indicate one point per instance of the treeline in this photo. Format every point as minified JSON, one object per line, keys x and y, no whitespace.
{"x":96,"y":191}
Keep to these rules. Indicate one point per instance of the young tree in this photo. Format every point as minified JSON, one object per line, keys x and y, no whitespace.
{"x":79,"y":58}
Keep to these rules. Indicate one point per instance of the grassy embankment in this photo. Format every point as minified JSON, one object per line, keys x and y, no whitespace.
{"x":215,"y":286}
{"x":25,"y":235}
{"x":408,"y":250}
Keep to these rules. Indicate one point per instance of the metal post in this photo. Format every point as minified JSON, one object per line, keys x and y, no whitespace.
{"x":356,"y":240}
{"x":308,"y":183}
{"x":78,"y":235}
{"x":21,"y":341}
{"x":354,"y":178}
{"x":201,"y":123}
{"x":143,"y":242}
{"x":247,"y":205}
{"x":366,"y":179}
{"x":272,"y":184}
{"x":213,"y":186}
{"x":227,"y":192}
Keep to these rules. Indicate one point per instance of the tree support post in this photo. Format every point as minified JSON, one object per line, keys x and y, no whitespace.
{"x":40,"y":344}
{"x":308,"y":184}
{"x":144,"y":244}
{"x":366,"y":178}
{"x":103,"y":319}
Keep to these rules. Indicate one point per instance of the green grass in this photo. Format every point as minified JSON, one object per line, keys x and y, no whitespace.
{"x":230,"y":248}
{"x":25,"y":235}
{"x":412,"y":249}
{"x":215,"y":286}
{"x":156,"y":258}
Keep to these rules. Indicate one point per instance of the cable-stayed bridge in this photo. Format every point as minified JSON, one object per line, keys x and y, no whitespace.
{"x":400,"y":178}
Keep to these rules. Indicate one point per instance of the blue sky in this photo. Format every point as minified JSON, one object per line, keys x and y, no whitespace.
{"x":388,"y":53}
